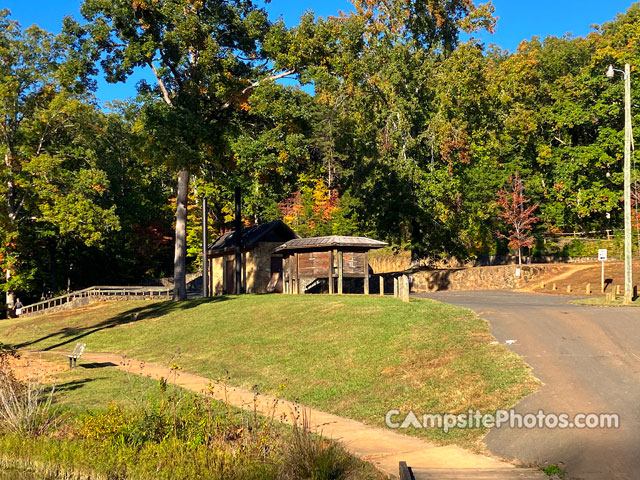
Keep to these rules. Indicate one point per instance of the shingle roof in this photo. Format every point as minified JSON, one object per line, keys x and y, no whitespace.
{"x":332,"y":241}
{"x":253,"y":235}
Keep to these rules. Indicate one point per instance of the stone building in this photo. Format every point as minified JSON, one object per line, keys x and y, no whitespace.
{"x":261,"y":265}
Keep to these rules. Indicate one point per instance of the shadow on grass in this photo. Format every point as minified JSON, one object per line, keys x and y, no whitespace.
{"x":154,"y":310}
{"x":72,"y":385}
{"x":93,"y":365}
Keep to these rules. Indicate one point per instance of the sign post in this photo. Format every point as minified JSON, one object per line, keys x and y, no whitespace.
{"x":602,"y":257}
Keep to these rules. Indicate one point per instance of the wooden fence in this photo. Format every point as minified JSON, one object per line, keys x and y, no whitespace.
{"x":98,"y":293}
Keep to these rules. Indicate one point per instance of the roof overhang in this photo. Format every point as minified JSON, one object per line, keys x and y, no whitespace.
{"x":337,"y":242}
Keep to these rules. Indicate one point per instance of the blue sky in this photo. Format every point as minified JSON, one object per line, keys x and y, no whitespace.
{"x":518,"y":20}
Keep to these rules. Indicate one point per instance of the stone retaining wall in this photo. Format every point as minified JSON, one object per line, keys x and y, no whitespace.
{"x":478,"y":278}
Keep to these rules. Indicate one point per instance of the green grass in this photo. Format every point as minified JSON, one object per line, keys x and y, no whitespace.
{"x":602,"y":302}
{"x":354,"y":356}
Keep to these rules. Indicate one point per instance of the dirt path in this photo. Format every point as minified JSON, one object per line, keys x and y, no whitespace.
{"x":574,"y":279}
{"x":382,"y":447}
{"x":569,"y":271}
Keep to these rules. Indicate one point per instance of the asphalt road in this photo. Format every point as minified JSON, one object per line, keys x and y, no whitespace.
{"x":589,"y":361}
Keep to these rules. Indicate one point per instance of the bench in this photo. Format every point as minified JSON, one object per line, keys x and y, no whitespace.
{"x":76,"y":354}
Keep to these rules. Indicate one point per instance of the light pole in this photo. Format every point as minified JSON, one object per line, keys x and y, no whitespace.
{"x":628,"y":269}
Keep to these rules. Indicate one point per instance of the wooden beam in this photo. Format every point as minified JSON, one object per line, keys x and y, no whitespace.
{"x":381,"y":286}
{"x":285,"y":276}
{"x":331,"y":272}
{"x":291,"y":292}
{"x":366,"y":273}
{"x":297,"y":262}
{"x":340,"y":272}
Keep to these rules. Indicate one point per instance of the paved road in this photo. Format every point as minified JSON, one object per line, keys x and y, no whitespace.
{"x":589,"y":361}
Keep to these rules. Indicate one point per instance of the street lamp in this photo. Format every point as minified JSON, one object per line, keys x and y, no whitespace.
{"x":628,"y":272}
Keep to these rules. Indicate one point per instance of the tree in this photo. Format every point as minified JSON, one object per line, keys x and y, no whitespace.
{"x":379,"y":90}
{"x":519,"y":218}
{"x":316,"y":210}
{"x":206,"y":57}
{"x":52,"y":189}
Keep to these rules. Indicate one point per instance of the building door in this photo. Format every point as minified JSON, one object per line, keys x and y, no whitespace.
{"x":276,"y":269}
{"x":230,"y":277}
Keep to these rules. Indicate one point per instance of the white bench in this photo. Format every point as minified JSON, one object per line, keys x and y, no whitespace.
{"x":76,"y":354}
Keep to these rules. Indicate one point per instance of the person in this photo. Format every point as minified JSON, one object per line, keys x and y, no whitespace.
{"x":18,"y":307}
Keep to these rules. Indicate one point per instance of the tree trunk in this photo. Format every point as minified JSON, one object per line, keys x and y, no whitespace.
{"x":180,"y":257}
{"x":11,"y":213}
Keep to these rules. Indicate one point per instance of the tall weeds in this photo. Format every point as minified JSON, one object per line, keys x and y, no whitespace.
{"x":306,"y":456}
{"x":25,"y":408}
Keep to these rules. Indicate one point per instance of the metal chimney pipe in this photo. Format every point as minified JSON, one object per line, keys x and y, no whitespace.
{"x":205,"y":247}
{"x":238,"y":242}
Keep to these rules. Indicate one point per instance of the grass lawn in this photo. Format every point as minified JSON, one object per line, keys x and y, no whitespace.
{"x":354,"y":356}
{"x":602,"y":302}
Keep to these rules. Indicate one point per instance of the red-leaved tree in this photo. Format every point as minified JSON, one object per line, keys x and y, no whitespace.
{"x":518,"y":216}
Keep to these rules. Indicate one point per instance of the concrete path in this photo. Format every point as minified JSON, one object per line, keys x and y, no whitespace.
{"x":589,"y":361}
{"x":382,"y":447}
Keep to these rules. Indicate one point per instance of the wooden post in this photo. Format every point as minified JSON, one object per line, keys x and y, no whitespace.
{"x":618,"y":290}
{"x":285,"y":279}
{"x":554,"y":288}
{"x":340,"y":272}
{"x":395,"y":287}
{"x":297,"y":262}
{"x":588,"y":289}
{"x":405,"y":288}
{"x":569,"y":288}
{"x":602,"y":278}
{"x":331,"y":292}
{"x":366,"y":273}
{"x":381,"y":286}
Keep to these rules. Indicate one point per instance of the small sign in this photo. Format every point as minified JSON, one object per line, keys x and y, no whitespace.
{"x":518,"y":272}
{"x":602,"y":255}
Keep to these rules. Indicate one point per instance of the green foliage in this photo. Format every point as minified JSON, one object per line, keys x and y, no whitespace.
{"x":552,"y":470}
{"x":413,"y":128}
{"x":52,"y":188}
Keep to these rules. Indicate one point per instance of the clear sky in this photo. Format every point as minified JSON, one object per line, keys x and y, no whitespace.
{"x":518,"y":20}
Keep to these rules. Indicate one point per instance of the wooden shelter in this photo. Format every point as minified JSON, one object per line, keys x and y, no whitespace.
{"x":318,"y":262}
{"x":261,"y":266}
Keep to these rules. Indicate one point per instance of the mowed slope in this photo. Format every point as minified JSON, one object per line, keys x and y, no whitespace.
{"x":354,"y":356}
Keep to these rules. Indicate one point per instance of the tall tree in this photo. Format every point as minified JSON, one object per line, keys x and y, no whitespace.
{"x":52,"y":189}
{"x":206,"y":57}
{"x":380,"y":87}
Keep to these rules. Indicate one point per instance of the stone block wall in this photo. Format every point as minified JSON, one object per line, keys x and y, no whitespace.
{"x":256,"y":273}
{"x":477,"y":278}
{"x":258,"y":266}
